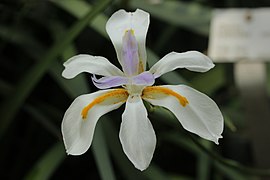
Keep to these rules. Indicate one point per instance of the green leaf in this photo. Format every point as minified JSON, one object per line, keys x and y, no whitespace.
{"x":5,"y":88}
{"x":268,"y":77}
{"x":229,"y":123}
{"x":101,"y":154}
{"x":12,"y":104}
{"x":216,"y":76}
{"x":78,"y":8}
{"x":73,"y":88}
{"x":184,"y":14}
{"x":77,"y":86}
{"x":43,"y":120}
{"x":155,"y":173}
{"x":47,"y":164}
{"x":204,"y":164}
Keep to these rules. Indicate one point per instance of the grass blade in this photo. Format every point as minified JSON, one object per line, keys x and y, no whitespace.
{"x":47,"y":164}
{"x":32,"y":77}
{"x":101,"y":154}
{"x":188,"y":15}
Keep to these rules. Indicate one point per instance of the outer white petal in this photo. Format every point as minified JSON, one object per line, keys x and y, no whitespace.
{"x":91,"y":64}
{"x":191,"y":60}
{"x":78,"y":132}
{"x":200,"y":116}
{"x":121,"y":21}
{"x":137,"y":134}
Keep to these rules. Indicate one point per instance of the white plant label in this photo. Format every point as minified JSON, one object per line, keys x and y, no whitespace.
{"x":240,"y":35}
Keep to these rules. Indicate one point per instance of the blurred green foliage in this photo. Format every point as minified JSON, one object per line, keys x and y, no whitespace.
{"x":36,"y":37}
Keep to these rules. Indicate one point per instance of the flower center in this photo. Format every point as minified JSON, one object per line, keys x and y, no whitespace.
{"x":134,"y":89}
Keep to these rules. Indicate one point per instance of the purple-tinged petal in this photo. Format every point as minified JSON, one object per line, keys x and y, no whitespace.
{"x":146,"y":78}
{"x":121,"y":21}
{"x":130,"y":54}
{"x":108,"y":82}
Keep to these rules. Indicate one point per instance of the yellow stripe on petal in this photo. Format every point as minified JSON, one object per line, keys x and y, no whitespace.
{"x":153,"y":92}
{"x":141,"y":68}
{"x":112,"y":97}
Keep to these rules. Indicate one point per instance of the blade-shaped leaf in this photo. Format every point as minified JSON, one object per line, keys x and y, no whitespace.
{"x":189,"y":15}
{"x":12,"y":104}
{"x":47,"y":163}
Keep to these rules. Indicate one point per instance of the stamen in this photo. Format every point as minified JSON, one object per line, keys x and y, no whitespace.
{"x":148,"y":92}
{"x":131,"y":31}
{"x":115,"y":96}
{"x":141,"y":69}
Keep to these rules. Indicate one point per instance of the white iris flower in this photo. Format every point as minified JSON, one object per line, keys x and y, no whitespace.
{"x":195,"y":111}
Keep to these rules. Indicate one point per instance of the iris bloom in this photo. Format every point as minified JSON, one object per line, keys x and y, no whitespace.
{"x":196,"y":112}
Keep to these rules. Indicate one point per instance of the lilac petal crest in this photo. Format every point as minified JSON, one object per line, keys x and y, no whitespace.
{"x":130,"y":54}
{"x":120,"y":22}
{"x":145,"y":78}
{"x":108,"y":82}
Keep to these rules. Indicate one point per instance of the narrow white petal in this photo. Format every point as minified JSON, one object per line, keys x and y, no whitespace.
{"x":91,"y":64}
{"x":137,"y":134}
{"x":121,"y":21}
{"x":78,"y":132}
{"x":200,"y":115}
{"x":191,"y":60}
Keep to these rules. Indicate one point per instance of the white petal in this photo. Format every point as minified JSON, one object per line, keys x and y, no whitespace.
{"x":137,"y":134}
{"x":121,"y":21}
{"x":191,"y":60}
{"x":200,"y":116}
{"x":78,"y":132}
{"x":91,"y":64}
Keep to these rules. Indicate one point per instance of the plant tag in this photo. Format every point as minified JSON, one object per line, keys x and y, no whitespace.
{"x":240,"y":35}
